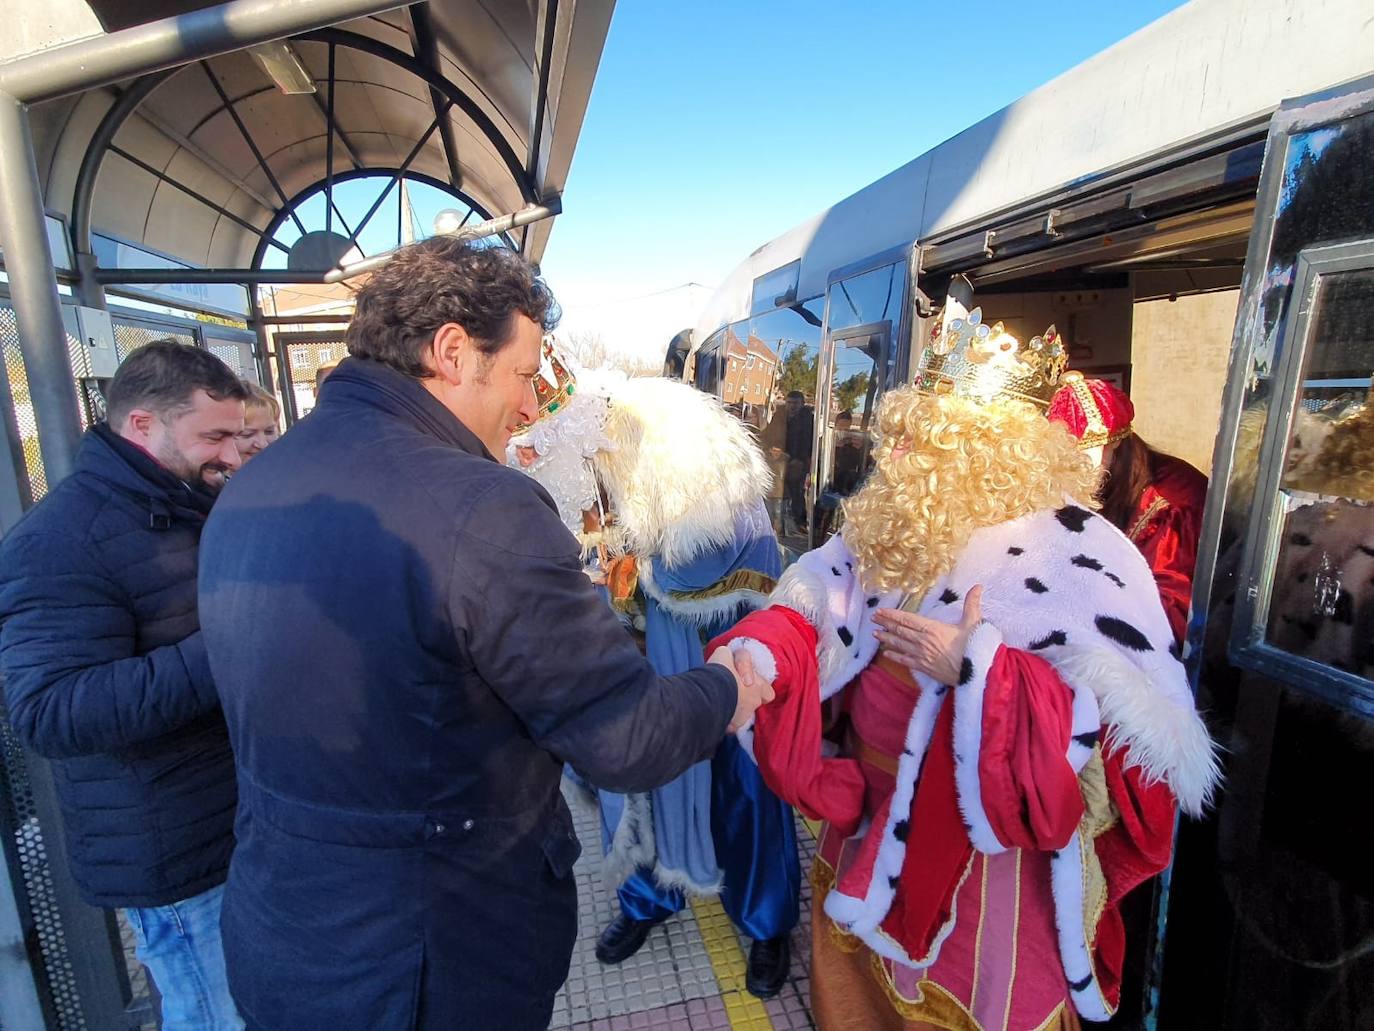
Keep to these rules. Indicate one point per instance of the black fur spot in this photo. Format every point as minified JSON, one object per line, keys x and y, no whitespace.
{"x":1079,"y":985}
{"x":834,"y":570}
{"x":941,"y":689}
{"x":907,"y":751}
{"x":1300,"y":539}
{"x":1345,"y":608}
{"x":1054,"y":854}
{"x":849,"y":566}
{"x":965,"y":671}
{"x":1367,"y":550}
{"x":1087,"y":563}
{"x":948,"y":597}
{"x":901,"y":829}
{"x":1054,"y":637}
{"x":892,"y":882}
{"x":958,"y":757}
{"x":845,"y":636}
{"x":1032,"y":584}
{"x":1073,"y":518}
{"x":1086,"y":740}
{"x":1016,"y":551}
{"x":1115,"y":579}
{"x":1176,"y":650}
{"x":1123,"y":633}
{"x":856,"y":655}
{"x":872,"y":603}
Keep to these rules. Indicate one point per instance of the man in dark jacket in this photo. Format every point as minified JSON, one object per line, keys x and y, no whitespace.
{"x":105,"y":668}
{"x":408,"y":651}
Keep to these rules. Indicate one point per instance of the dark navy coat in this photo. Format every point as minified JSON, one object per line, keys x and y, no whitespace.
{"x":407,"y":651}
{"x":106,"y":674}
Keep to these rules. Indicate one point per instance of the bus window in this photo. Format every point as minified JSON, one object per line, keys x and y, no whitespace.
{"x":874,"y":296}
{"x":708,"y":374}
{"x":785,"y":343}
{"x":860,"y":356}
{"x":1325,"y":504}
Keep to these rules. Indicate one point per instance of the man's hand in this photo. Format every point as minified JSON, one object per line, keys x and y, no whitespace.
{"x":927,"y":645}
{"x":753,"y":690}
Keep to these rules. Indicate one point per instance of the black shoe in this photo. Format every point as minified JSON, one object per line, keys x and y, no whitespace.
{"x":769,"y":962}
{"x":622,"y":938}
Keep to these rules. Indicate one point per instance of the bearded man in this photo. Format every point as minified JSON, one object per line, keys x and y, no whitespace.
{"x":1014,"y":731}
{"x":665,"y":490}
{"x":106,"y":673}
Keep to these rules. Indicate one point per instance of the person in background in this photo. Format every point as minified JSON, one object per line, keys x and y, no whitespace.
{"x":1154,"y":499}
{"x":106,"y":673}
{"x":322,"y":374}
{"x":260,"y":421}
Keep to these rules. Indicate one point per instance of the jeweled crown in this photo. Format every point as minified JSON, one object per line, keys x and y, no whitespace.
{"x":967,"y":358}
{"x":554,"y":385}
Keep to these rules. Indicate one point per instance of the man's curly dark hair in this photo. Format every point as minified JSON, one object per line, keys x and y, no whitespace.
{"x":442,"y":280}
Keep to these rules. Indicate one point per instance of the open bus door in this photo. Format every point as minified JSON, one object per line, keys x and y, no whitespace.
{"x":1267,"y":917}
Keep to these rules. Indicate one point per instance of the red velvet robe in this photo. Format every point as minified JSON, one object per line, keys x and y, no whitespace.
{"x":1166,"y":526}
{"x":1032,"y":797}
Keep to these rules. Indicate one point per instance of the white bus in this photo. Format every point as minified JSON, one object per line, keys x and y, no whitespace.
{"x":1193,"y":208}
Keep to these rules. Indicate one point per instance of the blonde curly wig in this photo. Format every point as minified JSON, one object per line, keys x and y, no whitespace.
{"x":965,"y":466}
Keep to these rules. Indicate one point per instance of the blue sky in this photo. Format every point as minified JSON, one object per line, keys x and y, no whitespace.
{"x":714,"y":126}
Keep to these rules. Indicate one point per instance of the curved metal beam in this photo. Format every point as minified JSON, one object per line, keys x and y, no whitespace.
{"x":342,"y":177}
{"x":461,"y":100}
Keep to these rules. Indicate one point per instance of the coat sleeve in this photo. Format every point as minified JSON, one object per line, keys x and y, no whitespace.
{"x":787,"y":731}
{"x":1170,"y":546}
{"x":1013,"y":727}
{"x":73,"y":682}
{"x":538,"y":633}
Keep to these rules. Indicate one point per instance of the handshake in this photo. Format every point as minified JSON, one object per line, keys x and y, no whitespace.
{"x":753,"y":689}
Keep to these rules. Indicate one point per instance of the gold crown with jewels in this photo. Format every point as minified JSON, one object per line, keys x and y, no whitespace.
{"x":967,"y":358}
{"x":554,"y":385}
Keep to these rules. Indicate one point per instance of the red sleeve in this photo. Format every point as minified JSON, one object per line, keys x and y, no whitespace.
{"x":787,"y":731}
{"x":1029,"y":790}
{"x":1138,"y":846}
{"x":1169,"y":545}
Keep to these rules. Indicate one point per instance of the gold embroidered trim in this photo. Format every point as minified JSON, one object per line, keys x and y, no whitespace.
{"x":1015,"y":944}
{"x":1053,"y":1019}
{"x":822,"y":881}
{"x":935,"y":1004}
{"x":1156,"y":506}
{"x":739,"y":580}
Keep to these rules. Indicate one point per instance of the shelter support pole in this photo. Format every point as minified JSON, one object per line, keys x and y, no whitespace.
{"x":33,"y":291}
{"x":173,"y":41}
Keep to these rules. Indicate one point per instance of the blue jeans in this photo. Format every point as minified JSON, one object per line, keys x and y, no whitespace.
{"x":181,"y":947}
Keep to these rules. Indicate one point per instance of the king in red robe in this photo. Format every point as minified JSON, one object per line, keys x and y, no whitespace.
{"x":980,"y":826}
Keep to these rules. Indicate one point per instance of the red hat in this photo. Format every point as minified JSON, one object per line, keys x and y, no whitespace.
{"x":1093,"y":410}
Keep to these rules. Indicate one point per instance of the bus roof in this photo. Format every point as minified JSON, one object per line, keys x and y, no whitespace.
{"x":1199,"y":71}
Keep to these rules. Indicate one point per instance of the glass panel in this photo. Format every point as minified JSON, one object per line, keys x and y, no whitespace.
{"x":871,"y":297}
{"x":788,"y":340}
{"x":707,"y":374}
{"x":769,"y":287}
{"x":854,"y":388}
{"x":1323,"y":598}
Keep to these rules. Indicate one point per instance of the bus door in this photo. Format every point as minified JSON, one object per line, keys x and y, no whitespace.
{"x":1268,"y":913}
{"x":867,"y":330}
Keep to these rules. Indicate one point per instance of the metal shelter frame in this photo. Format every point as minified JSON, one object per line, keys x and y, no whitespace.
{"x":145,"y":57}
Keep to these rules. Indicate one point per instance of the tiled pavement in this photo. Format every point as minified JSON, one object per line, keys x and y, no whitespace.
{"x":689,"y":974}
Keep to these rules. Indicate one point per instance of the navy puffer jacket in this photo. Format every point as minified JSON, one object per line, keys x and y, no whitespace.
{"x":106,"y":674}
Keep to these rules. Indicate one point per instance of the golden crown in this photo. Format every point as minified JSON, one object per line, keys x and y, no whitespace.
{"x":554,"y":385}
{"x":970,"y":359}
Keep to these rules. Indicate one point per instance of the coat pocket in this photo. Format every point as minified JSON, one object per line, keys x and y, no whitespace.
{"x":560,"y":845}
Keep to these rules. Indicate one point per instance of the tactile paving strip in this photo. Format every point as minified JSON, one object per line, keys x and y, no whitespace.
{"x":689,"y":974}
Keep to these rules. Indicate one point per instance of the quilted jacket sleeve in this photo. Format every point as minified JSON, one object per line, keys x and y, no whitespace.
{"x":73,"y":682}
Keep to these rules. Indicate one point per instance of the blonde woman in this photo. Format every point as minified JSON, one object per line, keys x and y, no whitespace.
{"x":261,"y":418}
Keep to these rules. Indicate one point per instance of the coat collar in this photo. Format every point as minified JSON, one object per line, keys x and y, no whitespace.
{"x":366,"y":382}
{"x":127,"y":467}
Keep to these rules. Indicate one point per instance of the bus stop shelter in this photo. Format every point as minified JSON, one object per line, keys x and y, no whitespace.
{"x":168,"y":151}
